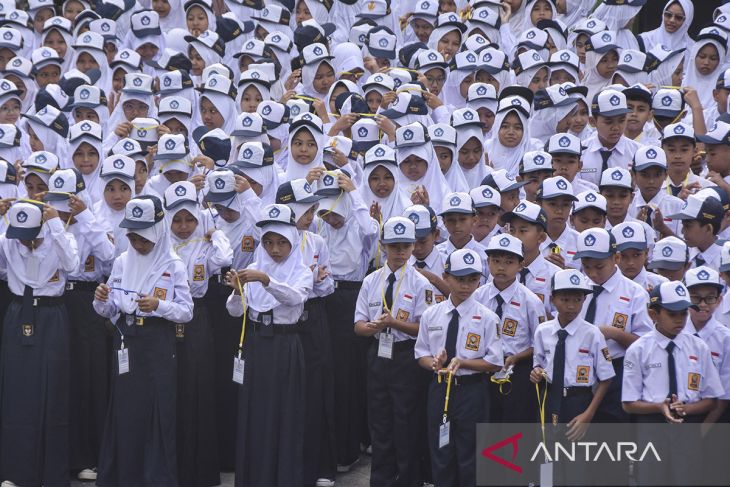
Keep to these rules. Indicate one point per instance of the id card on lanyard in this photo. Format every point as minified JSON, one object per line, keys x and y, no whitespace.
{"x":386,"y":340}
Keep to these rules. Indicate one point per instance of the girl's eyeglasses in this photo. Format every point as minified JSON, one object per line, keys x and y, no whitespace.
{"x":670,"y":15}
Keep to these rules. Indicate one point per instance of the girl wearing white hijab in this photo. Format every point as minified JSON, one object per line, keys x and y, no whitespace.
{"x":443,"y":138}
{"x":348,"y":62}
{"x":270,"y":432}
{"x":18,"y":70}
{"x":99,"y":58}
{"x":204,"y":250}
{"x":381,"y":191}
{"x":85,"y":152}
{"x":57,"y":37}
{"x":599,"y":68}
{"x":171,"y":14}
{"x":705,"y":61}
{"x":447,"y":37}
{"x":413,"y":176}
{"x":306,"y":143}
{"x":670,"y":70}
{"x":324,"y":68}
{"x":536,"y":10}
{"x":117,"y":176}
{"x":120,"y":120}
{"x":672,"y":33}
{"x":469,"y":152}
{"x":224,"y":107}
{"x":148,"y":290}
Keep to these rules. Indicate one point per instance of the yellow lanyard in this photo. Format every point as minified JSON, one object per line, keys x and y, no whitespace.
{"x":541,"y":408}
{"x":304,"y":240}
{"x":397,"y":289}
{"x":379,"y":264}
{"x":501,"y":383}
{"x":245,"y":309}
{"x":448,"y":394}
{"x":191,"y":241}
{"x":331,"y":209}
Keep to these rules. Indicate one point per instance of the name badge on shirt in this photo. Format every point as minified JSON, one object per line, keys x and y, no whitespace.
{"x":385,"y":345}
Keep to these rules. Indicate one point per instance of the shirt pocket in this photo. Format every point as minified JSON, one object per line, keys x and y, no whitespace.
{"x":619,"y":315}
{"x":164,"y":287}
{"x":404,"y":309}
{"x":584,"y":366}
{"x":473,"y":342}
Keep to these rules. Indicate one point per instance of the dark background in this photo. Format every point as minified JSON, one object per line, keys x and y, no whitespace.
{"x":651,"y":15}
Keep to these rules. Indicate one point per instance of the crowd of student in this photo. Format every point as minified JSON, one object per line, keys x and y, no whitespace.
{"x":272,"y":239}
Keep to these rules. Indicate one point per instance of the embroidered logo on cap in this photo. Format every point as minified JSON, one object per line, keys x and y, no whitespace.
{"x":274,"y":212}
{"x":22,"y":217}
{"x":468,"y":259}
{"x":246,"y":122}
{"x":667,"y":251}
{"x":590,"y":198}
{"x":17,"y":63}
{"x":564,"y":142}
{"x":145,"y":20}
{"x":137,"y":212}
{"x":86,"y":39}
{"x":84,"y":94}
{"x":536,"y":57}
{"x":590,"y":240}
{"x":628,"y":232}
{"x":520,"y":207}
{"x":628,"y":58}
{"x":471,"y":58}
{"x":399,"y":229}
{"x":170,"y":144}
{"x":454,"y":201}
{"x":137,"y":81}
{"x":180,"y":191}
{"x":561,"y":184}
{"x":380,"y":152}
{"x":468,"y":116}
{"x":247,"y":153}
{"x":414,"y":218}
{"x":408,"y":134}
{"x":266,"y":110}
{"x":487,"y":57}
{"x":531,"y":34}
{"x":85,"y":127}
{"x":703,"y":275}
{"x":432,"y":56}
{"x":538,"y":160}
{"x":606,"y":37}
{"x":616,"y":175}
{"x":124,"y":54}
{"x":666,"y":100}
{"x":141,"y":132}
{"x":614,"y":100}
{"x":651,"y":154}
{"x":481,"y":90}
{"x":58,"y":183}
{"x":7,"y":35}
{"x":328,"y":180}
{"x":118,"y":163}
{"x":276,"y":39}
{"x":362,"y":131}
{"x":317,"y":51}
{"x":680,"y":290}
{"x":438,"y":132}
{"x":565,"y":56}
{"x":504,"y":242}
{"x":40,"y":159}
{"x":574,"y":280}
{"x":679,"y":129}
{"x":219,"y":183}
{"x":255,"y":75}
{"x":167,"y":81}
{"x":487,"y":193}
{"x":383,"y":42}
{"x":174,"y":104}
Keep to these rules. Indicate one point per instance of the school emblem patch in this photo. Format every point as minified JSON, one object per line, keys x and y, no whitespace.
{"x":89,"y":264}
{"x":179,"y":330}
{"x":429,"y":296}
{"x":247,"y":244}
{"x":439,"y":298}
{"x":27,"y":330}
{"x":160,"y":293}
{"x":509,"y":327}
{"x":620,"y":320}
{"x":693,"y":381}
{"x":605,"y":353}
{"x":581,"y":376}
{"x":472,"y":341}
{"x":402,"y":315}
{"x":199,"y":272}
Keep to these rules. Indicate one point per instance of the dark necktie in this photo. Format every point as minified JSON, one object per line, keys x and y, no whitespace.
{"x":649,"y":213}
{"x":605,"y":156}
{"x":389,"y":292}
{"x":591,"y":311}
{"x":523,"y":275}
{"x":451,"y":334}
{"x":27,"y":309}
{"x":699,"y":261}
{"x":672,"y":368}
{"x":675,"y":189}
{"x":556,"y":388}
{"x":500,"y":302}
{"x":420,"y":264}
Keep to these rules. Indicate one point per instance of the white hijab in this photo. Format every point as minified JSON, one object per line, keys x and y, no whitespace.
{"x":346,"y":246}
{"x":676,"y":40}
{"x":617,"y":18}
{"x":294,"y":170}
{"x":592,"y":79}
{"x":110,"y":218}
{"x":93,"y":182}
{"x":704,"y":84}
{"x":508,"y":158}
{"x":391,"y":205}
{"x":455,"y":175}
{"x":225,"y":105}
{"x":309,"y":71}
{"x":474,"y":175}
{"x":433,"y":181}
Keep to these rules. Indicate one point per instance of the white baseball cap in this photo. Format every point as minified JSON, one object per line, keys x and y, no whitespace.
{"x":398,"y":229}
{"x":590,"y":199}
{"x":463,"y":262}
{"x":505,"y":243}
{"x":669,"y":253}
{"x":703,"y":276}
{"x":570,"y":280}
{"x":24,"y":221}
{"x":596,"y":243}
{"x":629,"y":235}
{"x":616,"y":176}
{"x":672,"y":295}
{"x":457,"y":203}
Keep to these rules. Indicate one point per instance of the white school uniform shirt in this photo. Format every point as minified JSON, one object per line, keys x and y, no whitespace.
{"x":291,"y":298}
{"x":648,"y":280}
{"x":722,"y":312}
{"x":316,"y":253}
{"x":587,"y":359}
{"x":172,"y":289}
{"x":646,"y":377}
{"x":96,"y":251}
{"x":717,"y":338}
{"x":244,"y":248}
{"x":538,"y":281}
{"x":477,"y":337}
{"x":208,"y":262}
{"x":568,"y":243}
{"x":446,"y":247}
{"x":690,"y":179}
{"x":435,"y":264}
{"x":522,"y":312}
{"x":623,"y":155}
{"x":580,"y":185}
{"x":650,"y":135}
{"x":57,"y":251}
{"x":711,"y":256}
{"x":409,"y":297}
{"x":623,"y":304}
{"x":666,"y":203}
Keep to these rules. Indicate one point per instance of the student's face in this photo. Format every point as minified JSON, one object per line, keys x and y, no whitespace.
{"x":445,"y":158}
{"x":588,"y":218}
{"x":197,"y":20}
{"x":228,"y":215}
{"x":140,"y":176}
{"x":135,"y":109}
{"x":81,"y":114}
{"x":694,"y":233}
{"x":381,"y":182}
{"x":10,"y":111}
{"x":578,"y":118}
{"x":566,"y":165}
{"x":50,"y":74}
{"x":176,"y":127}
{"x":118,"y":79}
{"x":631,"y":262}
{"x":424,"y":245}
{"x":324,"y":78}
{"x":610,"y":129}
{"x":86,"y":158}
{"x":183,"y":224}
{"x":277,"y":246}
{"x":175,"y":176}
{"x":243,"y":62}
{"x":725,"y":277}
{"x":140,"y":244}
{"x":260,"y":33}
{"x":302,"y":12}
{"x":413,"y":167}
{"x":674,"y":17}
{"x":5,"y":56}
{"x":510,"y":199}
{"x":718,"y":158}
{"x":34,"y":185}
{"x":56,"y":41}
{"x":679,"y":153}
{"x":85,"y":62}
{"x":471,"y":153}
{"x":484,"y":77}
{"x":707,"y":59}
{"x":307,"y":218}
{"x":539,"y":81}
{"x":373,"y":99}
{"x":336,"y":91}
{"x":449,"y":44}
{"x":503,"y":266}
{"x":638,"y":116}
{"x":668,"y":323}
{"x":650,"y":181}
{"x":398,"y":253}
{"x":332,"y":219}
{"x":422,"y":29}
{"x":617,"y":201}
{"x":678,"y":74}
{"x":540,"y":11}
{"x":699,"y":295}
{"x":606,"y":67}
{"x":446,"y":6}
{"x":599,"y":270}
{"x":568,"y":303}
{"x":35,"y":142}
{"x":534,"y":180}
{"x":557,"y":210}
{"x":560,"y":76}
{"x":162,"y":7}
{"x":147,"y":51}
{"x":530,"y":234}
{"x":580,"y":47}
{"x":303,"y":147}
{"x":458,"y":225}
{"x":462,"y":287}
{"x":250,"y":99}
{"x":116,"y":194}
{"x":672,"y":275}
{"x":435,"y":79}
{"x":110,"y":49}
{"x":198,"y":64}
{"x":486,"y":117}
{"x":40,"y":18}
{"x":72,"y":10}
{"x":464,"y":85}
{"x":720,"y":95}
{"x":212,"y":118}
{"x":353,"y":75}
{"x":511,"y":131}
{"x":486,"y":219}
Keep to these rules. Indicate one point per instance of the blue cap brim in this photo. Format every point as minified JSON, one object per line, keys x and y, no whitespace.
{"x":135,"y":224}
{"x":391,"y":114}
{"x":510,"y":215}
{"x":631,"y":245}
{"x":678,"y":306}
{"x":666,"y":113}
{"x":614,"y":113}
{"x":461,"y":211}
{"x":592,"y":254}
{"x":423,"y":232}
{"x":218,"y":197}
{"x":706,"y":139}
{"x":671,"y":265}
{"x":22,"y":233}
{"x":463,"y":272}
{"x":397,"y":240}
{"x":382,"y":53}
{"x":639,"y":168}
{"x":365,"y":146}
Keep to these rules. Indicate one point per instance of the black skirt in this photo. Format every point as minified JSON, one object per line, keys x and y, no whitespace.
{"x":34,"y":397}
{"x":90,"y":351}
{"x":270,"y":432}
{"x":197,"y":447}
{"x":139,"y":445}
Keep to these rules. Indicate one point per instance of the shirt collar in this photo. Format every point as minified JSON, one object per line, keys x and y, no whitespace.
{"x":571,"y":328}
{"x":507,"y":293}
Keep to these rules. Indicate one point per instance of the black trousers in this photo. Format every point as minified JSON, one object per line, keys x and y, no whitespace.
{"x":34,"y":398}
{"x":396,"y":413}
{"x":197,"y":438}
{"x":611,"y":410}
{"x":454,"y":465}
{"x":517,"y":403}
